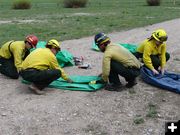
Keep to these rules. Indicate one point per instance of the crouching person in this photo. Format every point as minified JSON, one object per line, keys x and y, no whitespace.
{"x":153,"y":51}
{"x":41,"y":67}
{"x":117,"y":60}
{"x":12,"y":53}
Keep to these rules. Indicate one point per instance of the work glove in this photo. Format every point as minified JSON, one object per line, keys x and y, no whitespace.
{"x":98,"y":81}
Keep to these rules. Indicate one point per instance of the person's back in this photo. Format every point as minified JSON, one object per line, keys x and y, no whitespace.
{"x":4,"y":50}
{"x":40,"y":58}
{"x":121,"y":54}
{"x":14,"y":50}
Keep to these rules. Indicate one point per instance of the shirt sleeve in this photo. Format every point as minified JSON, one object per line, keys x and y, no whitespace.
{"x":54,"y":65}
{"x":18,"y":54}
{"x":106,"y":66}
{"x":163,"y":55}
{"x":146,"y":57}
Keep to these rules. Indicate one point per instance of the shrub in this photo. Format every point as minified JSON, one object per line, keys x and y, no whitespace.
{"x":21,"y":4}
{"x":153,"y":2}
{"x":75,"y":3}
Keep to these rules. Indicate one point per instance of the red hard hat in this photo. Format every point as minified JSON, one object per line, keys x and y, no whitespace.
{"x":32,"y":39}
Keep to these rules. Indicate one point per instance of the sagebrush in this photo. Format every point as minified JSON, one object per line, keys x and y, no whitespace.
{"x":74,"y":3}
{"x":21,"y":4}
{"x":153,"y":2}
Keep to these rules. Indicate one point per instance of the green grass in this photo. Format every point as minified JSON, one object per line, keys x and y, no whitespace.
{"x":51,"y":20}
{"x":152,"y":112}
{"x":138,"y":120}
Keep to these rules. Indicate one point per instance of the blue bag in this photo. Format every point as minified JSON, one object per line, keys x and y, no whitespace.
{"x":168,"y":81}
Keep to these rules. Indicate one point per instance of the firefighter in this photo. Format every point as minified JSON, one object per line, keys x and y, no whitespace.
{"x":153,"y":51}
{"x":12,"y":53}
{"x":117,"y":60}
{"x":41,"y":67}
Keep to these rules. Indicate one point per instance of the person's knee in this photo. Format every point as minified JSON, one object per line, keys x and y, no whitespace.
{"x":14,"y":76}
{"x":138,"y":55}
{"x":167,"y":56}
{"x":57,"y":73}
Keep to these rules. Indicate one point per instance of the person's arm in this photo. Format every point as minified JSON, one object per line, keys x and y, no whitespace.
{"x":54,"y":65}
{"x":163,"y":56}
{"x":106,"y":66}
{"x":18,"y":54}
{"x":163,"y":59}
{"x":147,"y":59}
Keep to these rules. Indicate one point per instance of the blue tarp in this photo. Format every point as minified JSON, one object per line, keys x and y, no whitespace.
{"x":169,"y":81}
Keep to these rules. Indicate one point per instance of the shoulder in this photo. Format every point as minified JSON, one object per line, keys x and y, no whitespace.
{"x":17,"y":44}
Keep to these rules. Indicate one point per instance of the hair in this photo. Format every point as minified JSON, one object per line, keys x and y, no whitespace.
{"x":106,"y":43}
{"x":150,"y":38}
{"x":49,"y":46}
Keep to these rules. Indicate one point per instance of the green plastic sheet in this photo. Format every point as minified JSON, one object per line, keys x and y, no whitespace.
{"x":64,"y":57}
{"x":130,"y":47}
{"x":80,"y":83}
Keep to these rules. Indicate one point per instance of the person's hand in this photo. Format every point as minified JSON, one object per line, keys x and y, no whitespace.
{"x":162,"y":71}
{"x":155,"y":72}
{"x":69,"y":80}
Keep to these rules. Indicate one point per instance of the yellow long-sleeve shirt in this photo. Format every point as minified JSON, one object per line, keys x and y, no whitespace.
{"x":149,"y":47}
{"x":18,"y":50}
{"x":119,"y":54}
{"x":42,"y":59}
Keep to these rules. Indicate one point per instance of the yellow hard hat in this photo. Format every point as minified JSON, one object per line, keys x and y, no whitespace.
{"x":54,"y":43}
{"x":160,"y":35}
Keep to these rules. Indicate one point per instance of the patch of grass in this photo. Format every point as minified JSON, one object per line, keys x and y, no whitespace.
{"x":152,"y":112}
{"x":132,"y":91}
{"x":138,"y":120}
{"x":95,"y":129}
{"x":177,"y":59}
{"x":51,"y":20}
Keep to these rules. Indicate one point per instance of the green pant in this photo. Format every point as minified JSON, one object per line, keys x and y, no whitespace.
{"x":156,"y":62}
{"x":119,"y":69}
{"x":8,"y":68}
{"x":40,"y":78}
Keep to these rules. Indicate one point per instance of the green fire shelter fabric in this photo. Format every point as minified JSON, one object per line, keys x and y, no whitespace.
{"x":130,"y":47}
{"x":80,"y":83}
{"x":64,"y":57}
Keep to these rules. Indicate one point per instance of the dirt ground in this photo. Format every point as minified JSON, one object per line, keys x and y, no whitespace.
{"x":141,"y":110}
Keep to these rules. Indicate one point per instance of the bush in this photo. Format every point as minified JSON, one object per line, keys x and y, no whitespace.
{"x":75,"y":3}
{"x":21,"y":4}
{"x":153,"y":2}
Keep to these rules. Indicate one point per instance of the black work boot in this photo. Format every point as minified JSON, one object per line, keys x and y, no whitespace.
{"x":131,"y":83}
{"x":37,"y":91}
{"x":113,"y":87}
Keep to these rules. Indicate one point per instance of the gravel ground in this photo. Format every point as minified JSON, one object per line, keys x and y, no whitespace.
{"x":141,"y":110}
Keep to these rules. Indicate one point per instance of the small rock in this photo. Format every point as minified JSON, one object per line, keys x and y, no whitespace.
{"x":3,"y":114}
{"x":163,"y":100}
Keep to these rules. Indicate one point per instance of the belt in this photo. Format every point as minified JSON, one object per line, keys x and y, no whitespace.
{"x":30,"y":69}
{"x":134,"y":68}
